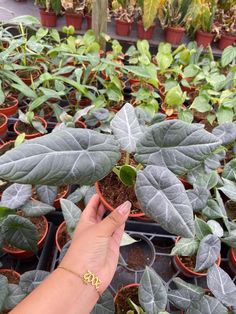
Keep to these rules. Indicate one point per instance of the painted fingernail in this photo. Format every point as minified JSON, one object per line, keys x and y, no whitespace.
{"x":124,"y":208}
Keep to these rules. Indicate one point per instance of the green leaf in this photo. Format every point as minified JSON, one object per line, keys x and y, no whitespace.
{"x":202,"y":228}
{"x":16,"y":195}
{"x":224,"y":115}
{"x":32,"y":279}
{"x":20,"y":232}
{"x":230,"y":191}
{"x":216,"y":228}
{"x":207,"y":181}
{"x":207,"y":305}
{"x":128,"y":175}
{"x":175,"y":97}
{"x":71,"y":214}
{"x":201,"y":104}
{"x":149,"y":13}
{"x":3,"y":291}
{"x":25,"y":19}
{"x":15,"y":296}
{"x":230,"y":170}
{"x":228,"y":55}
{"x":186,"y":115}
{"x":47,"y":194}
{"x":127,"y":240}
{"x":185,"y":247}
{"x":4,"y":212}
{"x":34,"y":208}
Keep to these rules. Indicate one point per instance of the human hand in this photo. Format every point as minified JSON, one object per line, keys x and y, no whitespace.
{"x":96,"y":242}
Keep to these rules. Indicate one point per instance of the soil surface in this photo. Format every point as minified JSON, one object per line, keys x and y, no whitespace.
{"x":27,"y":73}
{"x":7,"y":104}
{"x":116,"y":193}
{"x":122,"y":305}
{"x":63,"y":237}
{"x":190,"y":262}
{"x":25,"y":128}
{"x":38,"y":222}
{"x":2,"y":120}
{"x":6,"y":148}
{"x":11,"y":276}
{"x":138,"y":259}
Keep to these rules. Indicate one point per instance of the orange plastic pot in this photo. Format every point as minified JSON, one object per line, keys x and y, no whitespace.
{"x":185,"y":270}
{"x":204,"y":39}
{"x":22,"y":254}
{"x":48,"y":19}
{"x":80,"y":125}
{"x":89,"y":21}
{"x":27,"y":80}
{"x":145,"y":34}
{"x":125,"y":288}
{"x":123,"y":28}
{"x":174,"y":35}
{"x":232,"y":259}
{"x":3,"y":126}
{"x":75,"y":20}
{"x":12,"y":110}
{"x":31,"y":136}
{"x":59,"y":230}
{"x":225,"y":41}
{"x":109,"y":206}
{"x":3,"y":149}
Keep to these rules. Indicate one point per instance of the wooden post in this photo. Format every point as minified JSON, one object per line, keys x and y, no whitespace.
{"x":99,"y":20}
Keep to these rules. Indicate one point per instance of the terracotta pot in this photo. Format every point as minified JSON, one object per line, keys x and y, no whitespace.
{"x":3,"y":148}
{"x":59,"y":230}
{"x":4,"y":272}
{"x":232,"y":259}
{"x":108,"y":206}
{"x":204,"y":39}
{"x":145,"y":34}
{"x":133,"y":81}
{"x":89,"y":21}
{"x":84,"y":102}
{"x":225,"y":41}
{"x":27,"y":80}
{"x":3,"y":126}
{"x":13,"y":109}
{"x":174,"y":35}
{"x":75,"y":20}
{"x":48,"y":19}
{"x":124,"y":288}
{"x":123,"y":28}
{"x":136,"y":86}
{"x":80,"y":125}
{"x":185,"y":270}
{"x":22,"y":254}
{"x":30,"y":136}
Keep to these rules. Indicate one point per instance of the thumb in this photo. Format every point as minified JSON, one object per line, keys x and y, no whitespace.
{"x":116,"y":219}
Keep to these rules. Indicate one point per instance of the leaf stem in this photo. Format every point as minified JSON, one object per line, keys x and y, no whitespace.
{"x":127,"y":158}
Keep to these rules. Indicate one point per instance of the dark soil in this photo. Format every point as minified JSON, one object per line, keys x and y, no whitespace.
{"x":6,"y":148}
{"x":38,"y":222}
{"x":231,"y":209}
{"x":137,"y":259}
{"x":2,"y":120}
{"x":27,"y":73}
{"x":25,"y":128}
{"x":7,"y":104}
{"x":190,"y":262}
{"x":63,"y":237}
{"x":11,"y":276}
{"x":116,"y":193}
{"x":122,"y":305}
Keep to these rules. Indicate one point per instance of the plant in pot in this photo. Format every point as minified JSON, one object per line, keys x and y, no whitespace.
{"x":147,"y":14}
{"x":30,"y":125}
{"x":74,"y":12}
{"x":124,"y":13}
{"x":23,"y":226}
{"x":49,"y":9}
{"x":201,"y":20}
{"x":173,"y":17}
{"x":224,"y":26}
{"x":173,"y":102}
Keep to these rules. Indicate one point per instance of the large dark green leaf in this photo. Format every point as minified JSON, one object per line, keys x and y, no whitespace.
{"x":71,"y":214}
{"x":3,"y":290}
{"x":176,"y":145}
{"x":62,"y":157}
{"x":31,"y":279}
{"x":34,"y":208}
{"x":198,"y":198}
{"x":20,"y":232}
{"x":207,"y":305}
{"x":230,"y":170}
{"x":16,"y":195}
{"x":15,"y":296}
{"x":163,"y":198}
{"x":226,"y":132}
{"x":47,"y":194}
{"x":152,"y":293}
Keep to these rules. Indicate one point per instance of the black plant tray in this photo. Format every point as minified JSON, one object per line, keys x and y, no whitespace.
{"x":39,"y":262}
{"x":163,"y":243}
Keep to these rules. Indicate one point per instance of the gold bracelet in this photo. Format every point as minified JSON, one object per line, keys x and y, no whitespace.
{"x":87,"y":278}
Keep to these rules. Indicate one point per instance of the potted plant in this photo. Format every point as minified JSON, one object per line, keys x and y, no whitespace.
{"x":147,"y":14}
{"x":225,"y":21}
{"x":201,"y":20}
{"x":88,"y":13}
{"x":49,"y":9}
{"x":23,"y":226}
{"x":174,"y":100}
{"x":8,"y":105}
{"x":123,"y":11}
{"x":74,"y":12}
{"x":30,"y":125}
{"x":173,"y":18}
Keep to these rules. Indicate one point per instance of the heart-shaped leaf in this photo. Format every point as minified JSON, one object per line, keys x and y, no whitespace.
{"x":126,"y":128}
{"x":221,"y":285}
{"x":226,"y":132}
{"x":34,"y":208}
{"x":207,"y":181}
{"x":47,"y":194}
{"x":3,"y":290}
{"x":181,"y":284}
{"x":16,"y":195}
{"x":71,"y":214}
{"x":229,"y":190}
{"x":208,"y":252}
{"x":176,"y":145}
{"x":230,"y":170}
{"x":198,"y":198}
{"x":202,"y":228}
{"x":31,"y":279}
{"x":163,"y":198}
{"x":182,"y":298}
{"x":207,"y":305}
{"x":127,"y":175}
{"x":216,"y":228}
{"x":15,"y":296}
{"x":105,"y":304}
{"x":186,"y":247}
{"x":62,"y":157}
{"x":152,"y":293}
{"x":20,"y":232}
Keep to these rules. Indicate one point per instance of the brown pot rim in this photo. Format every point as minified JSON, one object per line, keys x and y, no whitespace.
{"x":7,"y":270}
{"x":228,"y":36}
{"x":6,"y":119}
{"x":74,"y":14}
{"x":206,"y":34}
{"x":60,"y":227}
{"x":29,"y":136}
{"x":124,"y":288}
{"x":178,"y":29}
{"x":124,"y":22}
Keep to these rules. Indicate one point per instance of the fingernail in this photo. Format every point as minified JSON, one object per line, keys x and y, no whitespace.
{"x":124,"y":208}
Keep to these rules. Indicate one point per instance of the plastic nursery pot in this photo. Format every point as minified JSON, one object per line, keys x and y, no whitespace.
{"x":89,"y":21}
{"x":123,"y":28}
{"x":80,"y":125}
{"x":22,"y":254}
{"x":174,"y":35}
{"x":48,"y":19}
{"x":75,"y":20}
{"x":3,"y":125}
{"x":225,"y":41}
{"x":6,"y":147}
{"x":109,"y":206}
{"x":232,"y":259}
{"x":187,"y":271}
{"x":204,"y":39}
{"x":10,"y":106}
{"x":139,"y":254}
{"x":31,"y":76}
{"x":145,"y":34}
{"x":126,"y":291}
{"x":60,"y":230}
{"x":12,"y":276}
{"x":29,"y":136}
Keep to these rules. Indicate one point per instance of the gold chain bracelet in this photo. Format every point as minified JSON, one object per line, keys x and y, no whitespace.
{"x":87,"y":278}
